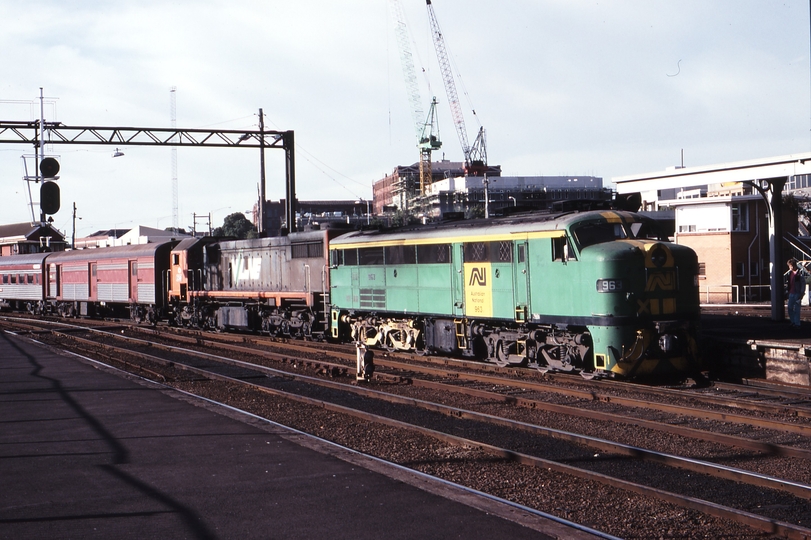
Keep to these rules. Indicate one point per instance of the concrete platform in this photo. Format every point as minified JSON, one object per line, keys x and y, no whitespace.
{"x":88,"y":453}
{"x":744,"y":342}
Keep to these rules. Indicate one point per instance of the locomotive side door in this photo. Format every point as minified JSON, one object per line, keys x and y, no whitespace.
{"x":521,"y":281}
{"x":457,"y":279}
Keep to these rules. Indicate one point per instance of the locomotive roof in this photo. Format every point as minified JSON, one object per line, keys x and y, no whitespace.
{"x":509,"y":226}
{"x":109,"y":252}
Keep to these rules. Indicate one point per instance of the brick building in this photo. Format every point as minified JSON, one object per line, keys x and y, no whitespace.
{"x":22,"y":238}
{"x":730,"y":235}
{"x":726,"y":220}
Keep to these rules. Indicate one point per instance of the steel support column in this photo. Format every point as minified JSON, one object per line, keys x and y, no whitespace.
{"x":771,"y":189}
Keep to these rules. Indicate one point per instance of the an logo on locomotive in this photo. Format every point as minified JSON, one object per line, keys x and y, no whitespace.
{"x":478,"y":292}
{"x":664,"y":281}
{"x":478,"y":277}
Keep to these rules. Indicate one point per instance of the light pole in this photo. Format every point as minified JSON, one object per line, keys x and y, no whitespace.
{"x":515,"y":203}
{"x":73,"y":233}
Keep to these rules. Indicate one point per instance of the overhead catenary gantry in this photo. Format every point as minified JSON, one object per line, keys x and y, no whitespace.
{"x":12,"y":132}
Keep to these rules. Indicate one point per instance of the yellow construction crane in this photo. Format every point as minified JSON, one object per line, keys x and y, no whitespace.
{"x":476,"y":155}
{"x":426,"y":128}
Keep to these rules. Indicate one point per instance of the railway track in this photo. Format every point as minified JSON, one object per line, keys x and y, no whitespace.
{"x":485,"y":430}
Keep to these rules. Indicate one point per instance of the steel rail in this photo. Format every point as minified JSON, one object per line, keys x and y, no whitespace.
{"x":735,"y":403}
{"x":786,"y":530}
{"x":710,"y":415}
{"x":339,"y":369}
{"x":695,"y":465}
{"x":607,"y":398}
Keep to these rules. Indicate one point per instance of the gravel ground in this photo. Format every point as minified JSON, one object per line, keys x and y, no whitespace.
{"x":578,"y":500}
{"x":608,"y":509}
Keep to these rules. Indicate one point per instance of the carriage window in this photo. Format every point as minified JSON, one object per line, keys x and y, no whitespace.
{"x":135,"y":269}
{"x":370,"y":256}
{"x":350,"y":257}
{"x":434,"y":254}
{"x":13,"y":279}
{"x":501,"y":251}
{"x":477,"y":252}
{"x":5,"y":279}
{"x":401,"y":255}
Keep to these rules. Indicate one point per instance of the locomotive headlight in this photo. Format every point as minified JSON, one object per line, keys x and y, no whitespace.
{"x":658,"y":257}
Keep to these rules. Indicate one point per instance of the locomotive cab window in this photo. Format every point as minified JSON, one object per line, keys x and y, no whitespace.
{"x":175,"y":259}
{"x":561,"y":251}
{"x":350,"y":257}
{"x":590,"y":234}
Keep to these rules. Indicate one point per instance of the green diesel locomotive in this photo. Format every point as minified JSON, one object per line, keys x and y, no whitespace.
{"x":597,"y":292}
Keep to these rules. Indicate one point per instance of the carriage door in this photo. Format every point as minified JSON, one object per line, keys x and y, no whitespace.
{"x":93,"y":278}
{"x":521,"y":281}
{"x":54,"y":272}
{"x":133,"y":272}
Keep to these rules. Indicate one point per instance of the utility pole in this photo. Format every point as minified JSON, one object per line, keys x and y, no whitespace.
{"x":73,"y":233}
{"x":173,"y":113}
{"x":486,"y":197}
{"x":262,"y":195}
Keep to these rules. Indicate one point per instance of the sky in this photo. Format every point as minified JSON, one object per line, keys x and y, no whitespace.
{"x":562,"y":87}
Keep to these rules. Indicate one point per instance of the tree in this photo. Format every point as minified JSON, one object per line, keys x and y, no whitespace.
{"x":236,"y":225}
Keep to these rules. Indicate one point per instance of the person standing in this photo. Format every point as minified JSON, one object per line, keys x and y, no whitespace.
{"x":796,"y":291}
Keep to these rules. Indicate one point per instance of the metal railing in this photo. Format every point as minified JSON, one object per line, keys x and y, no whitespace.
{"x":721,"y":289}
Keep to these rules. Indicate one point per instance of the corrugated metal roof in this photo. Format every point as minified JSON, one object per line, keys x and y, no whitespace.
{"x":510,"y":225}
{"x":106,"y":253}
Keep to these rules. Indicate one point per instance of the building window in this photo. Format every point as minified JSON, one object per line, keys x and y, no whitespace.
{"x":687,"y":228}
{"x":740,"y":269}
{"x":740,"y":217}
{"x":702,"y":269}
{"x":754,"y":269}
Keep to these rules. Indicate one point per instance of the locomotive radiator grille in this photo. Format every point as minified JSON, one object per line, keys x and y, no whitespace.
{"x":373,"y":298}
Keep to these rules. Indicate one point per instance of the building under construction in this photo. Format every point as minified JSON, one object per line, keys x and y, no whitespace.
{"x":451,"y":191}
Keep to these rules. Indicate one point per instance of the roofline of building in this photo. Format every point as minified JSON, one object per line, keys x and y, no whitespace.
{"x":738,"y":171}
